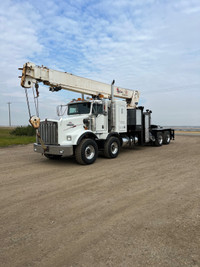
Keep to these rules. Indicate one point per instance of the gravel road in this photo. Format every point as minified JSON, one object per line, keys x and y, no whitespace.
{"x":141,"y":209}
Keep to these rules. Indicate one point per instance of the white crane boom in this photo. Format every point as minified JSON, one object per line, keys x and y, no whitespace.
{"x":57,"y":80}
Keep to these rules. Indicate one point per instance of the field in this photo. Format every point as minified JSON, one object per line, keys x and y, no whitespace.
{"x":6,"y":139}
{"x":140,"y":209}
{"x":187,"y":130}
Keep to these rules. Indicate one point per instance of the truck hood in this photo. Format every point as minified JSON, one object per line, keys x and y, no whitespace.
{"x":71,"y":126}
{"x":73,"y":121}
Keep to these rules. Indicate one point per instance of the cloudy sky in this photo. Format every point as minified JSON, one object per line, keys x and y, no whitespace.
{"x":149,"y":45}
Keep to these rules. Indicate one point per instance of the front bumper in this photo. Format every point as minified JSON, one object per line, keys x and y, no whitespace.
{"x":54,"y":150}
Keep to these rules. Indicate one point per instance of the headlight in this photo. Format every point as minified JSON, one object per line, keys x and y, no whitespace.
{"x":69,"y":137}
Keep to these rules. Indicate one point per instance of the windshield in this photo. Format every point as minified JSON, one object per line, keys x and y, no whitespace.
{"x":79,"y":108}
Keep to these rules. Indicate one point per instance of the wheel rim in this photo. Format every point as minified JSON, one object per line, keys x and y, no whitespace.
{"x":89,"y":152}
{"x":160,"y":139}
{"x":114,"y":148}
{"x":168,"y":138}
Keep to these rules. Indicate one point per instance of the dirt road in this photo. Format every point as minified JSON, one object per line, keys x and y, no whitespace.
{"x":141,"y":209}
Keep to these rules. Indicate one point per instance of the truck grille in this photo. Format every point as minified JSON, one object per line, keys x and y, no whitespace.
{"x":49,"y":132}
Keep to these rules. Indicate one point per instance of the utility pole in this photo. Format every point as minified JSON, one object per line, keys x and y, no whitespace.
{"x":9,"y":113}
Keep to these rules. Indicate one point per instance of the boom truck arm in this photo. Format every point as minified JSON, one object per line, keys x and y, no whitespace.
{"x":56,"y":80}
{"x":101,"y":123}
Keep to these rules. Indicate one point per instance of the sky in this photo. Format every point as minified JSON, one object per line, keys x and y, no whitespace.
{"x":148,"y":45}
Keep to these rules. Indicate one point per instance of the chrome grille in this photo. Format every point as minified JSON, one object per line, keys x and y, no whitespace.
{"x":49,"y":132}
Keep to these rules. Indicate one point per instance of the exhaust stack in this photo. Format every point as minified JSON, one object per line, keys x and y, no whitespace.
{"x":112,"y":107}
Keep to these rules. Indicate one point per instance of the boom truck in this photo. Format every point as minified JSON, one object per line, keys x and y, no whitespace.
{"x":107,"y":120}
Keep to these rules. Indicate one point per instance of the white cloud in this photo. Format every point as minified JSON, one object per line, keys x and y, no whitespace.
{"x":147,"y":45}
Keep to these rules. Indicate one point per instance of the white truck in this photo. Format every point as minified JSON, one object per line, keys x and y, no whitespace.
{"x":101,"y":122}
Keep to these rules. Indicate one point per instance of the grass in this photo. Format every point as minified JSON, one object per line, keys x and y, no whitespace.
{"x":187,"y":132}
{"x":7,"y":139}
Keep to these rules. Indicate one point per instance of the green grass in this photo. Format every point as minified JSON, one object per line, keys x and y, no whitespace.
{"x":6,"y":139}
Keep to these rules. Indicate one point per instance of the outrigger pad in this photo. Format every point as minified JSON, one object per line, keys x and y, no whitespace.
{"x":35,"y":122}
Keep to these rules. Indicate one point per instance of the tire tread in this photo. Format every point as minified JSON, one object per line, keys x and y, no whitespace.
{"x":79,"y":153}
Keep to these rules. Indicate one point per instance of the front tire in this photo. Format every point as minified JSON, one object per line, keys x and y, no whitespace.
{"x":86,"y":152}
{"x":111,"y":147}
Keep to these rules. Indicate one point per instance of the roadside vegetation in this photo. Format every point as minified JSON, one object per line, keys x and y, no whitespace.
{"x":16,"y":136}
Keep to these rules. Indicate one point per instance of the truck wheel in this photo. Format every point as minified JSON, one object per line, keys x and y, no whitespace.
{"x":111,"y":147}
{"x":50,"y":156}
{"x":166,"y":138}
{"x":159,"y":139}
{"x":86,"y":152}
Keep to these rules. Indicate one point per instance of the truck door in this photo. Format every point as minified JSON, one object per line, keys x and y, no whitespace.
{"x":101,"y":119}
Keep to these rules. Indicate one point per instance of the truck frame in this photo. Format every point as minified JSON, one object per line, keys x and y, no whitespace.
{"x":101,"y":122}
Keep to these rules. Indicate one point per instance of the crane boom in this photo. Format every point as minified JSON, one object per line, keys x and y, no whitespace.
{"x":57,"y":80}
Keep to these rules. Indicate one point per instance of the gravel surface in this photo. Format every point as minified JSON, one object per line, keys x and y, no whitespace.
{"x":140,"y":209}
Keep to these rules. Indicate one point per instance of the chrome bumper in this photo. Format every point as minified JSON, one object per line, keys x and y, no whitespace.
{"x":54,"y":150}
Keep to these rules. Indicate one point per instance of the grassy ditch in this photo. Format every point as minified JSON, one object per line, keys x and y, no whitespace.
{"x":8,"y":137}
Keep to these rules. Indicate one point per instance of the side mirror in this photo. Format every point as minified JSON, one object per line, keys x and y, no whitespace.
{"x":61,"y":109}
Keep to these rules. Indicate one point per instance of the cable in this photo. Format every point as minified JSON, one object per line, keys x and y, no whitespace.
{"x":35,"y":102}
{"x":29,"y":111}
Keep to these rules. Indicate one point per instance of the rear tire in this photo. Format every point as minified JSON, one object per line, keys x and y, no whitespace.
{"x":86,"y":152}
{"x":111,"y":147}
{"x":159,"y":139}
{"x":166,"y":138}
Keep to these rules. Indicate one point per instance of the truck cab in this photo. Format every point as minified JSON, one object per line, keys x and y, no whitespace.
{"x":83,"y":118}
